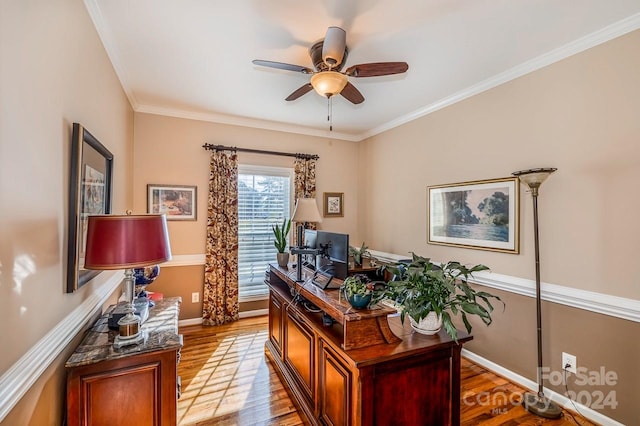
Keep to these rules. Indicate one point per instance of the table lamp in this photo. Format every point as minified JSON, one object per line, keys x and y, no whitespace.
{"x":127,"y":242}
{"x":306,"y":211}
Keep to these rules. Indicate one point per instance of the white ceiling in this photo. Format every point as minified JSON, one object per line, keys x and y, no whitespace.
{"x":192,"y":58}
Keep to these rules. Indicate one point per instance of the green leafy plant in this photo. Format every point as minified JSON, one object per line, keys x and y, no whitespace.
{"x":280,"y":233}
{"x":361,"y":285}
{"x":358,"y":253}
{"x":422,"y":286}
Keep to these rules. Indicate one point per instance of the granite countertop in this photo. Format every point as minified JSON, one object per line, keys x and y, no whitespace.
{"x":160,"y":332}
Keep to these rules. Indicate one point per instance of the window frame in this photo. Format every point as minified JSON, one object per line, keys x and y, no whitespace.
{"x":260,"y":170}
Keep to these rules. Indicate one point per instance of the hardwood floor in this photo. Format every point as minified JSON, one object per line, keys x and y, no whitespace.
{"x":226,"y":380}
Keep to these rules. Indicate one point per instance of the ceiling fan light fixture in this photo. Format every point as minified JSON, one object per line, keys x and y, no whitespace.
{"x":328,"y":83}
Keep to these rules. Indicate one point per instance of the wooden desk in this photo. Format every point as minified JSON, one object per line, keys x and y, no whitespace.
{"x":134,"y":385}
{"x":350,"y":374}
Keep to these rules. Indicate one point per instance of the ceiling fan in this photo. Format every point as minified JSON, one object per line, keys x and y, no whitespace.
{"x":329,"y":57}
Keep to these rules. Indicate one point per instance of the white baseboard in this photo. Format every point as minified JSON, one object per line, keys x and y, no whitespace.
{"x":560,"y":399}
{"x":255,"y":313}
{"x":190,"y":321}
{"x":247,"y":314}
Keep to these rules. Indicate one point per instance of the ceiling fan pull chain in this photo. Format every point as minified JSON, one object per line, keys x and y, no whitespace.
{"x":330,"y":112}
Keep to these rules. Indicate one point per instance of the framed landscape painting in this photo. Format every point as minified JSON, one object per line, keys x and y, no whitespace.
{"x":480,"y":214}
{"x":178,"y":202}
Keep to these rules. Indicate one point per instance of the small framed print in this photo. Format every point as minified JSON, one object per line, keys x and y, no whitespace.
{"x":333,"y":204}
{"x":178,"y":202}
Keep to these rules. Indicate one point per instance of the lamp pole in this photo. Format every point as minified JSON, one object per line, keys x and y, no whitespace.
{"x":537,"y":403}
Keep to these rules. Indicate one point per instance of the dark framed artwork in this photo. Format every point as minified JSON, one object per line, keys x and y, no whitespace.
{"x":480,"y":214}
{"x":90,"y":186}
{"x":333,"y":204}
{"x":178,"y":202}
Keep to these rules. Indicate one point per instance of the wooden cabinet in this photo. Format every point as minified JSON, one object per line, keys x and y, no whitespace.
{"x":136,"y":384}
{"x":275,"y":322}
{"x":300,"y":352}
{"x":334,"y":385}
{"x":363,"y":369}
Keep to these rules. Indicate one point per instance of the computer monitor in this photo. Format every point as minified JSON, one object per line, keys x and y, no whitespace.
{"x":309,"y":241}
{"x":335,"y":258}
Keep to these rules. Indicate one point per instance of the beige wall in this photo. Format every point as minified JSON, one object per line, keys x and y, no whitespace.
{"x":169,"y":151}
{"x":579,"y":115}
{"x":54,"y":72}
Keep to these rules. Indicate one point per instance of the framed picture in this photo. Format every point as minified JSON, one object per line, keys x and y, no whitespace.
{"x":333,"y":204}
{"x":89,"y":194}
{"x":481,"y":214}
{"x":178,"y":202}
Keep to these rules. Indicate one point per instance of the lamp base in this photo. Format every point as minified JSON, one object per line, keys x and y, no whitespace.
{"x":541,"y":406}
{"x":121,"y":341}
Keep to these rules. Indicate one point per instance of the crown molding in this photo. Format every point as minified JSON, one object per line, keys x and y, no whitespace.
{"x":106,"y":36}
{"x":603,"y":35}
{"x":608,"y":33}
{"x":246,"y":122}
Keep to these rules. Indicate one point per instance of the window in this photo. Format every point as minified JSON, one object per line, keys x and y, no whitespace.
{"x":264,"y":198}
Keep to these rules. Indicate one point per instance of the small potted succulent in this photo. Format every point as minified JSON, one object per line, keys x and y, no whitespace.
{"x":280,"y":233}
{"x":359,"y":253}
{"x":432,"y":294}
{"x":360,"y":291}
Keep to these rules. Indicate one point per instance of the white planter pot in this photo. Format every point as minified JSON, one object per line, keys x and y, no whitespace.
{"x":428,"y":325}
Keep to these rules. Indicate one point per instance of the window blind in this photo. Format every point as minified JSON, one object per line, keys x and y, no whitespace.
{"x":264,"y":199}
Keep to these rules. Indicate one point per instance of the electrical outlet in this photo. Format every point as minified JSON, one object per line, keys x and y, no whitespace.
{"x":569,"y":362}
{"x":195,"y":297}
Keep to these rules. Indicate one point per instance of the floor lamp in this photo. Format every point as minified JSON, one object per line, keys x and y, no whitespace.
{"x":537,"y":403}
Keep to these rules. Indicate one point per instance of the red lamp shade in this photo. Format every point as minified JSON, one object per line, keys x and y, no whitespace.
{"x":121,"y":242}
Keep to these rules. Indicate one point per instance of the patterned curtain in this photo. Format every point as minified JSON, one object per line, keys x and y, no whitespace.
{"x":304,"y":184}
{"x":220,"y":296}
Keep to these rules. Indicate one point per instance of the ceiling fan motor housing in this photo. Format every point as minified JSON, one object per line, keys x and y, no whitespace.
{"x":319,"y":64}
{"x":335,"y":42}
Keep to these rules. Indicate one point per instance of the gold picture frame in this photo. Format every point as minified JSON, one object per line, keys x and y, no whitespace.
{"x":178,"y":202}
{"x":333,"y":204}
{"x":481,"y":214}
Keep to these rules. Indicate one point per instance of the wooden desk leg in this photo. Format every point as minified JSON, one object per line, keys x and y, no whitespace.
{"x":455,"y":385}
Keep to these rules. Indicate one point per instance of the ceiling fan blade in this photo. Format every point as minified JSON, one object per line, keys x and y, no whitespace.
{"x":352,"y":94}
{"x":302,"y":90}
{"x":282,"y":66}
{"x":376,"y":69}
{"x":333,"y":46}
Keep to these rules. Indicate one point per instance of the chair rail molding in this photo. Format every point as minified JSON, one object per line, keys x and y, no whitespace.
{"x":21,"y":376}
{"x":606,"y":304}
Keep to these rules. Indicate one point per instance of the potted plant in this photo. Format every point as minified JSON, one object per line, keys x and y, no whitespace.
{"x":280,"y":233}
{"x":432,"y":294}
{"x":360,"y":292}
{"x":358,"y":253}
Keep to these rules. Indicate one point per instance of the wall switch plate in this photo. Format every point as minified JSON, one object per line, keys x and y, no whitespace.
{"x":569,"y":362}
{"x":195,"y":297}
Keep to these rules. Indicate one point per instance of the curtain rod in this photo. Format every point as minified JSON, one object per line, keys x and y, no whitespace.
{"x":212,"y":147}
